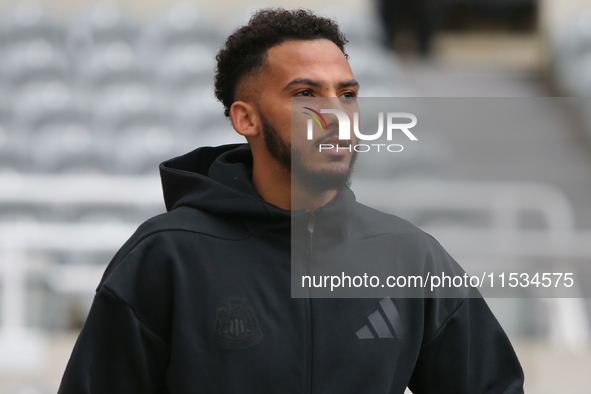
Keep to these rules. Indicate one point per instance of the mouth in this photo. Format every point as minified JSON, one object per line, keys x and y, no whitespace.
{"x":332,"y":145}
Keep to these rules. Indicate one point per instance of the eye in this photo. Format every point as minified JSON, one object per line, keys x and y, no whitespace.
{"x":348,"y":95}
{"x":304,"y":93}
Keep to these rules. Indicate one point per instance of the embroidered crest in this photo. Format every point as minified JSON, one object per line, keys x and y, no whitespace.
{"x":236,"y":325}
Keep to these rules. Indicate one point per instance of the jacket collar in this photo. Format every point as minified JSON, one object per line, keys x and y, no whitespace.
{"x":218,"y":180}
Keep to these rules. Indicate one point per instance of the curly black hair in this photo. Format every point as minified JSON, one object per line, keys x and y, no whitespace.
{"x":245,"y":50}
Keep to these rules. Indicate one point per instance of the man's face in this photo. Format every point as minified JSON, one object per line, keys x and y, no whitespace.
{"x":315,"y":68}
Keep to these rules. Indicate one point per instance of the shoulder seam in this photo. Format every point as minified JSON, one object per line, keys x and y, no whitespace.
{"x":154,"y":232}
{"x":112,"y":292}
{"x":135,"y":244}
{"x":444,"y":323}
{"x":414,"y":229}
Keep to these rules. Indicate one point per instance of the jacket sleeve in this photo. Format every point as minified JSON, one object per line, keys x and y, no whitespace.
{"x":124,"y":346}
{"x":469,"y":354}
{"x":115,"y":353}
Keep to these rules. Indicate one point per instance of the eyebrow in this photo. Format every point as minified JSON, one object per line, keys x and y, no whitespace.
{"x":312,"y":82}
{"x":348,"y":83}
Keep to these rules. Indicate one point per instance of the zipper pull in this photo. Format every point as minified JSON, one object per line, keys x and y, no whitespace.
{"x":310,"y":229}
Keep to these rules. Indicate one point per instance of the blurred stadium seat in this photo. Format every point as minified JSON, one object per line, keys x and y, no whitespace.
{"x":29,"y":21}
{"x":109,"y":64}
{"x":182,"y":25}
{"x":33,"y":61}
{"x":187,"y":64}
{"x":105,"y":23}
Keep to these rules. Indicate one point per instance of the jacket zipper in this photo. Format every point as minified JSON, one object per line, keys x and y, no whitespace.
{"x":308,"y":308}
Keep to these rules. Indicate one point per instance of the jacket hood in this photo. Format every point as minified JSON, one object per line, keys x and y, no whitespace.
{"x":215,"y":180}
{"x":218,"y":180}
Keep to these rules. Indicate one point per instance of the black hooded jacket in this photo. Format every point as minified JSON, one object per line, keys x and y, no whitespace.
{"x":199,"y":301}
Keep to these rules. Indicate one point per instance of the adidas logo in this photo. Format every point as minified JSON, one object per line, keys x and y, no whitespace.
{"x":383,"y":323}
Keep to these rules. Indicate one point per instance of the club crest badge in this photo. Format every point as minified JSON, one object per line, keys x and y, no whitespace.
{"x":236,"y":325}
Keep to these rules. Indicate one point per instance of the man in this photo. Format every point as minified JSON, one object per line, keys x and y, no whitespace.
{"x":198,"y":300}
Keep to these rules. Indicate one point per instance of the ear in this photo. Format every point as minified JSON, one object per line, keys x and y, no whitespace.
{"x":245,"y":119}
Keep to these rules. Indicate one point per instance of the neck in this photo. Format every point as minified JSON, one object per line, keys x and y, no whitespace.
{"x":304,"y":198}
{"x":276,"y":185}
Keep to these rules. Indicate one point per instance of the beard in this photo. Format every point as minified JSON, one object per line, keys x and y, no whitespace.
{"x":290,"y":159}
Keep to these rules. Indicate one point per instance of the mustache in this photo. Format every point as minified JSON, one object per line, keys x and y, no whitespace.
{"x":333,"y":131}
